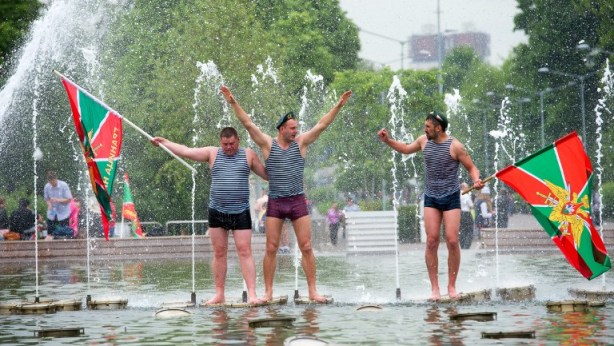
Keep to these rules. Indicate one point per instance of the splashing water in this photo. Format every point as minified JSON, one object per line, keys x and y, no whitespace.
{"x":264,"y":78}
{"x":606,"y":91}
{"x":67,"y":31}
{"x":314,"y":85}
{"x":270,"y":72}
{"x":502,"y":136}
{"x":396,"y":96}
{"x":453,"y":106}
{"x":208,"y":83}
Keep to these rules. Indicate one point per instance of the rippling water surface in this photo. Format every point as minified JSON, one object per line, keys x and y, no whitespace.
{"x":352,"y":281}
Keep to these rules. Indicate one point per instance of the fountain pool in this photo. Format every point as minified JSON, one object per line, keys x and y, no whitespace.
{"x":353,"y":281}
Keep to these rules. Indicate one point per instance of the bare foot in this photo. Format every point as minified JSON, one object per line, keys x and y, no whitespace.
{"x":266,"y":298}
{"x":452,"y":292}
{"x":317,"y":298}
{"x":435,"y":295}
{"x":217,"y":299}
{"x":255,"y":301}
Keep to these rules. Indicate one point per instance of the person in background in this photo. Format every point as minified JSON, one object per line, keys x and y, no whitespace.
{"x":260,"y":209}
{"x":504,"y":207}
{"x":22,"y":222}
{"x":596,"y":208}
{"x":466,"y":222}
{"x":57,"y":195}
{"x":4,"y":219}
{"x":333,"y":217}
{"x":73,"y":222}
{"x":41,"y":226}
{"x":483,"y":211}
{"x":112,"y":220}
{"x":350,"y":205}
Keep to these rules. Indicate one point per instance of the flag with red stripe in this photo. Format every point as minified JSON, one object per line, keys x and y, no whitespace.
{"x":100,"y":133}
{"x":129,"y":210}
{"x":557,"y":182}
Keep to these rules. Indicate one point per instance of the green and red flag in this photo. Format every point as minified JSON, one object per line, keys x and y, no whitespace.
{"x":99,"y":129}
{"x":129,"y":210}
{"x":557,"y":182}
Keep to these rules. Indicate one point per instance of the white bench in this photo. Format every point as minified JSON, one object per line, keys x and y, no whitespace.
{"x":371,"y":232}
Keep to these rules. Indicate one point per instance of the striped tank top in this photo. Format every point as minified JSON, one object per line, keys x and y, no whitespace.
{"x":285,"y":169}
{"x":230,"y":183}
{"x":441,"y":169}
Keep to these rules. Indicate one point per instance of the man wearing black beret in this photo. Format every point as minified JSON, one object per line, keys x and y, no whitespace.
{"x":285,"y":164}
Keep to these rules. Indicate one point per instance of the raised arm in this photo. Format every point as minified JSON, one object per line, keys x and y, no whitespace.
{"x":403,"y":148}
{"x":196,"y":154}
{"x":315,"y":132}
{"x":255,"y":164}
{"x":263,"y":140}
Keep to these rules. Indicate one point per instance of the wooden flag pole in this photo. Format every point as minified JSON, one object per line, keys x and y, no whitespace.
{"x":483,"y":181}
{"x":138,"y":129}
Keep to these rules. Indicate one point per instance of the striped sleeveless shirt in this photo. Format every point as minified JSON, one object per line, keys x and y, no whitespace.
{"x":441,"y":169}
{"x":285,"y":169}
{"x":230,"y":183}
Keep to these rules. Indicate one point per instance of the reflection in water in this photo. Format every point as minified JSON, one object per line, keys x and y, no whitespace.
{"x":577,"y":328}
{"x":147,"y":284}
{"x":227,"y":329}
{"x":444,"y":332}
{"x":310,"y":314}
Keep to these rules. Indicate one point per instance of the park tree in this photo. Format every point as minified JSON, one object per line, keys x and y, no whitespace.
{"x":153,"y":63}
{"x":555,"y":28}
{"x":15,"y":19}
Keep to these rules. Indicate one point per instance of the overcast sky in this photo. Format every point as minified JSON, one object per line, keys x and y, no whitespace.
{"x":400,"y":19}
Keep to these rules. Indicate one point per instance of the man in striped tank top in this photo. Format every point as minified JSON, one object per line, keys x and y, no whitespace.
{"x":285,"y":163}
{"x":228,"y":204}
{"x":442,"y":155}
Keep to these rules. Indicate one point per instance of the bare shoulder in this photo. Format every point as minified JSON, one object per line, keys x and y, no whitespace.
{"x":421,"y":141}
{"x":457,"y":148}
{"x":249,"y":152}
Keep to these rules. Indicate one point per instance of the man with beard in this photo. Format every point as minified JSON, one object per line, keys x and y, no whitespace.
{"x":442,"y":155}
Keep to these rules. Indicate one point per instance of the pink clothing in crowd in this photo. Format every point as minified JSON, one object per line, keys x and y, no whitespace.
{"x":332,"y":216}
{"x":73,"y":219}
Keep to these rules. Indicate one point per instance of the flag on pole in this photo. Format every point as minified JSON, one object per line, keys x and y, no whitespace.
{"x":557,"y":182}
{"x":100,"y":133}
{"x":129,"y":210}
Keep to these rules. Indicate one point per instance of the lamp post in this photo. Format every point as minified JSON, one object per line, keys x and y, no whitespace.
{"x":541,"y":111}
{"x":592,"y":51}
{"x":390,"y":39}
{"x":439,"y":51}
{"x":581,"y":78}
{"x":522,"y":100}
{"x":487,"y":107}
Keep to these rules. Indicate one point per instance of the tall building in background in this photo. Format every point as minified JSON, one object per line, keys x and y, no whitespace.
{"x":424,"y":52}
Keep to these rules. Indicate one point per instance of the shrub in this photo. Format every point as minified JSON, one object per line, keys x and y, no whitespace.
{"x":409,"y":224}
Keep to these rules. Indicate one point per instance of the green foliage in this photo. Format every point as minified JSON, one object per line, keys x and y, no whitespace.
{"x":152,"y":71}
{"x":608,"y":201}
{"x":457,"y":65}
{"x":363,"y":164}
{"x":555,"y":28}
{"x":12,"y":200}
{"x":315,"y":35}
{"x":149,"y":65}
{"x":15,"y":19}
{"x":409,"y":224}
